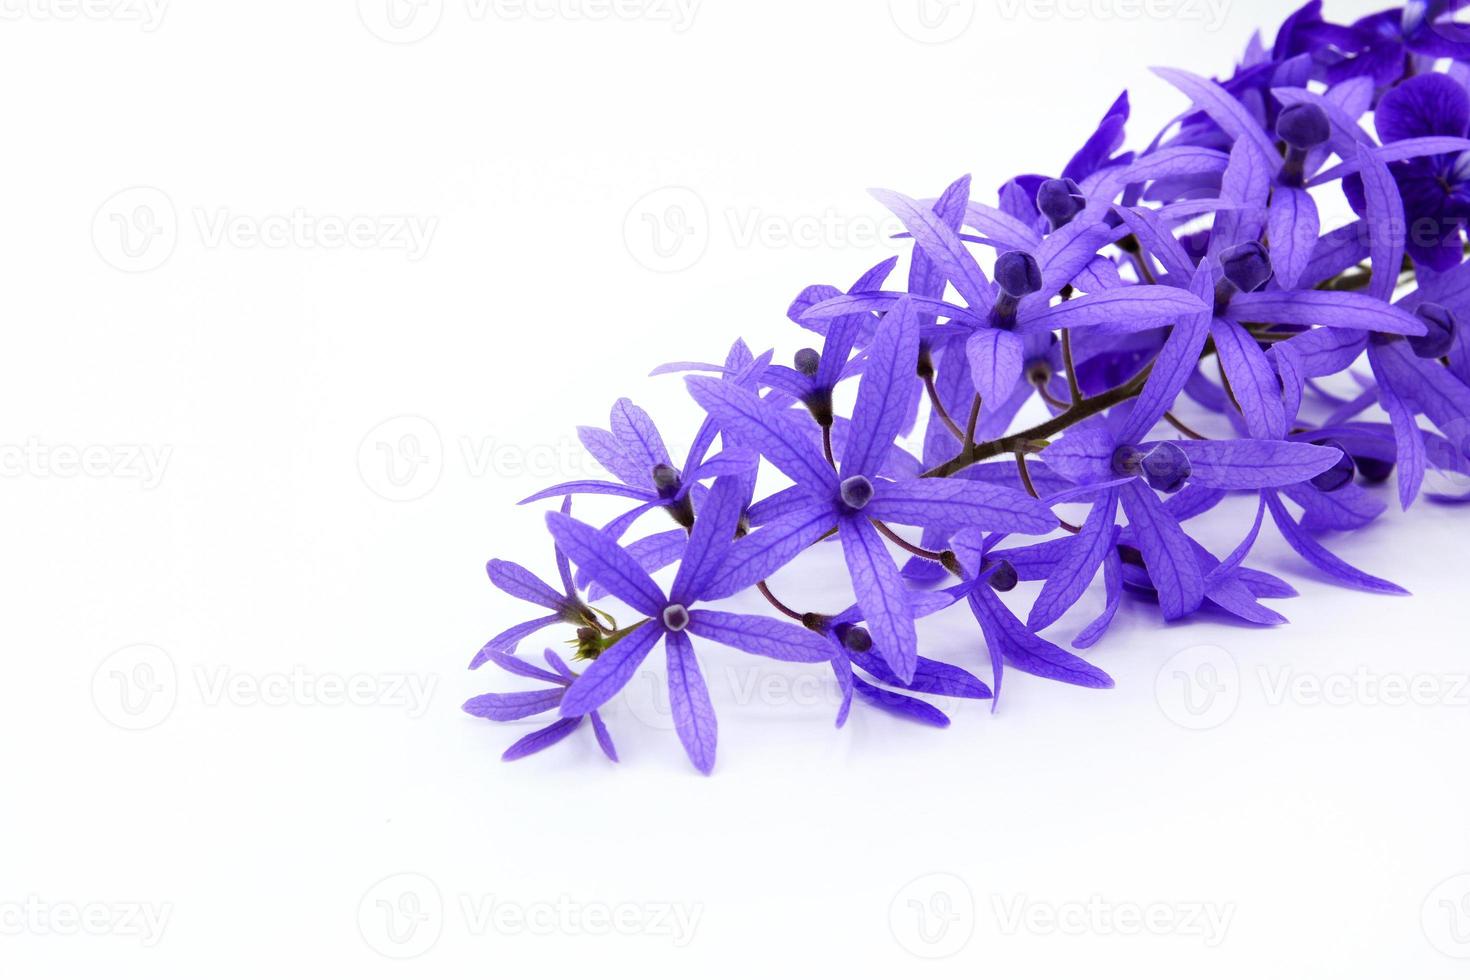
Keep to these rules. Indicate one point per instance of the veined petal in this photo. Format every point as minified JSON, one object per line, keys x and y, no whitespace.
{"x":762,"y":636}
{"x":1173,"y":367}
{"x":882,"y":398}
{"x":1220,"y":106}
{"x":607,"y":675}
{"x":1132,"y":307}
{"x":1167,"y":552}
{"x":1255,"y":464}
{"x":1292,"y":225}
{"x":711,"y":537}
{"x":997,"y":358}
{"x":514,"y":706}
{"x":1252,"y":379}
{"x":543,"y":739}
{"x":1326,"y":307}
{"x":778,"y":436}
{"x":689,"y":703}
{"x":882,"y":595}
{"x":770,"y":547}
{"x":961,"y":503}
{"x":1308,"y":547}
{"x":513,"y":579}
{"x":605,"y":561}
{"x":943,"y":247}
{"x":1070,"y":579}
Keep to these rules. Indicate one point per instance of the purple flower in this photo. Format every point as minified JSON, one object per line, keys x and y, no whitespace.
{"x":527,"y":704}
{"x":854,"y":497}
{"x":1131,"y":343}
{"x":671,"y":619}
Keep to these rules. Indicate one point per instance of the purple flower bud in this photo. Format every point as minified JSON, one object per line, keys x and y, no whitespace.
{"x":1303,"y":127}
{"x":1166,"y":468}
{"x":1441,"y":336}
{"x":676,"y":617}
{"x":1018,"y":274}
{"x":1340,"y":474}
{"x":806,"y":361}
{"x":854,"y":638}
{"x":1126,"y":460}
{"x":1003,"y":576}
{"x":1373,"y":470}
{"x":1060,"y":201}
{"x":665,"y":479}
{"x":1247,"y":267}
{"x":856,"y":491}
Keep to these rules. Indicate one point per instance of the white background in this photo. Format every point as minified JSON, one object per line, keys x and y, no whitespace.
{"x":301,"y":452}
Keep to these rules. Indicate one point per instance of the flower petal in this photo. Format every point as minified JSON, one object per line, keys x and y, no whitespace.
{"x":882,"y":595}
{"x":689,"y":703}
{"x":762,"y":636}
{"x":605,"y":561}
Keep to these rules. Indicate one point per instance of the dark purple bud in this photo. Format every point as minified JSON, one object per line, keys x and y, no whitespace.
{"x":1166,"y":468}
{"x":1059,"y":201}
{"x":1246,"y":266}
{"x":1340,"y":474}
{"x":1441,"y":324}
{"x":1018,"y":274}
{"x":854,"y":638}
{"x":676,"y":617}
{"x":1303,"y":127}
{"x":1373,"y":470}
{"x":1126,"y":460}
{"x":806,"y":361}
{"x":856,"y":491}
{"x":665,"y":478}
{"x":1003,"y":577}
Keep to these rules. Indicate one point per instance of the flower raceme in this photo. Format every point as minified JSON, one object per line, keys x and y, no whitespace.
{"x":1126,"y":344}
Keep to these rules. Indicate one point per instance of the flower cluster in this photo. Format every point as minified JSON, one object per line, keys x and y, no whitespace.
{"x":1174,"y":324}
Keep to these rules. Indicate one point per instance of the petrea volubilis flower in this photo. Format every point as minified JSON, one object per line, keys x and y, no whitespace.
{"x":1128,"y":344}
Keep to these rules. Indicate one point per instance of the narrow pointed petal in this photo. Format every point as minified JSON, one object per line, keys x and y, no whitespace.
{"x":507,"y":641}
{"x":543,"y":739}
{"x":608,"y":674}
{"x":514,"y":706}
{"x":1075,"y":573}
{"x":883,"y":394}
{"x":1167,"y":552}
{"x":1255,"y":464}
{"x":961,"y":503}
{"x":1309,"y":548}
{"x":513,"y":579}
{"x":882,"y":595}
{"x":710,"y":540}
{"x":900,"y":704}
{"x":769,"y":548}
{"x":605,"y":561}
{"x":762,"y":636}
{"x":996,"y":359}
{"x":791,"y":447}
{"x":1324,"y":307}
{"x":1173,"y":367}
{"x":1293,"y":225}
{"x":689,"y":703}
{"x":1028,"y":652}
